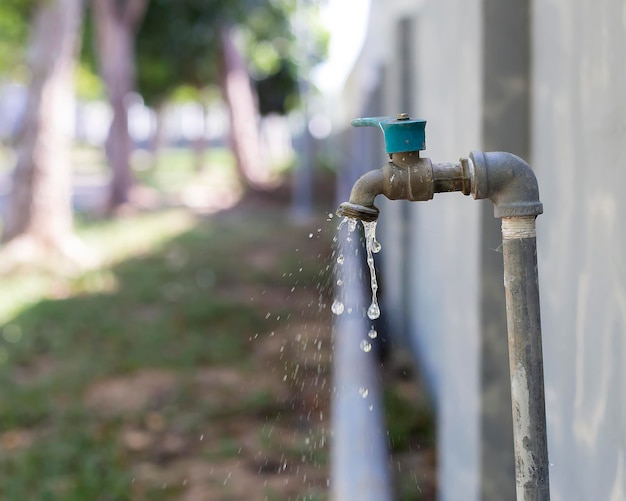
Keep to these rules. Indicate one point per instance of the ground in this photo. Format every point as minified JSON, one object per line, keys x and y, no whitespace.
{"x":195,"y":364}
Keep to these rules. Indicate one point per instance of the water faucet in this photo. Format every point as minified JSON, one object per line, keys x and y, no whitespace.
{"x":504,"y":178}
{"x":510,"y":184}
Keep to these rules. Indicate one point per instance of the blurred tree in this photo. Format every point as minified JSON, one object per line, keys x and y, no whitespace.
{"x":201,"y":42}
{"x":244,"y":126}
{"x":38,"y":220}
{"x":116,"y":23}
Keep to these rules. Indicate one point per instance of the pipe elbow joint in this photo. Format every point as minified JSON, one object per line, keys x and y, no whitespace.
{"x":507,"y":181}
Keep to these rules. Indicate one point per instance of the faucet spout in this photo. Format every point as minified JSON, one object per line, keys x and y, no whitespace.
{"x":365,"y":190}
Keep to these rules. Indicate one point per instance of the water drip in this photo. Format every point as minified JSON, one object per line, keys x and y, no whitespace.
{"x":337,"y":307}
{"x":372,"y":246}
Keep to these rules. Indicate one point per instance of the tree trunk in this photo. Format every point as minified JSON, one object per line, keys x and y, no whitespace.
{"x":157,"y":139}
{"x":116,"y":23}
{"x":244,"y":116}
{"x":38,"y":220}
{"x":200,"y":144}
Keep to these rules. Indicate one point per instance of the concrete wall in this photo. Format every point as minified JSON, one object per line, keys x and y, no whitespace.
{"x":444,"y":273}
{"x":506,"y":127}
{"x":547,"y":80}
{"x":578,"y":138}
{"x":430,"y":250}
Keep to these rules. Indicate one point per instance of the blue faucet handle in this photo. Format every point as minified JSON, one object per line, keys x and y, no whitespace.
{"x":401,"y":132}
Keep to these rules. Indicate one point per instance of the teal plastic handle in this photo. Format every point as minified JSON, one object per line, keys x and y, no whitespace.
{"x":401,"y":133}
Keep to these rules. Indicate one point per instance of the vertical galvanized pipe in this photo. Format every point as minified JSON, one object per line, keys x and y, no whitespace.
{"x":525,"y":357}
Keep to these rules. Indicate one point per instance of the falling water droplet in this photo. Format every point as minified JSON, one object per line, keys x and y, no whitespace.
{"x":310,"y":235}
{"x":364,"y":392}
{"x":337,"y":307}
{"x":339,"y":282}
{"x":372,"y":333}
{"x":340,"y":259}
{"x":366,"y":346}
{"x":373,"y":312}
{"x":371,"y":407}
{"x":376,"y":247}
{"x":372,"y":246}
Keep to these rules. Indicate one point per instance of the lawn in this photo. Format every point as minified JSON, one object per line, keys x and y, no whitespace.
{"x":194,"y":363}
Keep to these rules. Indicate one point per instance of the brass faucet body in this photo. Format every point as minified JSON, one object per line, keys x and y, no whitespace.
{"x":503,"y":178}
{"x":406,"y":176}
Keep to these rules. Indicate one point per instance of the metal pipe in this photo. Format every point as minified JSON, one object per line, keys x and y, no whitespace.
{"x":507,"y":181}
{"x":448,"y":177}
{"x":511,"y":185}
{"x":521,"y":284}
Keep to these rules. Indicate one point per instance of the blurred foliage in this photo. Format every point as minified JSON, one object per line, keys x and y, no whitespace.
{"x":178,"y":47}
{"x":179,"y":44}
{"x":15,"y":17}
{"x":88,"y":84}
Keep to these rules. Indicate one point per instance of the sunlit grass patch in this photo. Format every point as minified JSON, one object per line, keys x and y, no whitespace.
{"x":112,"y":241}
{"x":7,"y":158}
{"x":173,"y":169}
{"x":118,"y":239}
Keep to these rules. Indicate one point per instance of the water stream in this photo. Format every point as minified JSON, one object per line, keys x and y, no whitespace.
{"x":372,"y":246}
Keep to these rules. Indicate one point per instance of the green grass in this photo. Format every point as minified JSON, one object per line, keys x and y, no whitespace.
{"x":71,"y":462}
{"x":408,"y":420}
{"x":410,"y":425}
{"x":166,"y":298}
{"x":176,"y":166}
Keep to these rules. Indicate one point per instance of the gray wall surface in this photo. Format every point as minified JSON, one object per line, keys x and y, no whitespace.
{"x":558,"y":98}
{"x":430,"y":250}
{"x":506,"y":127}
{"x":444,"y":249}
{"x":579,"y":135}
